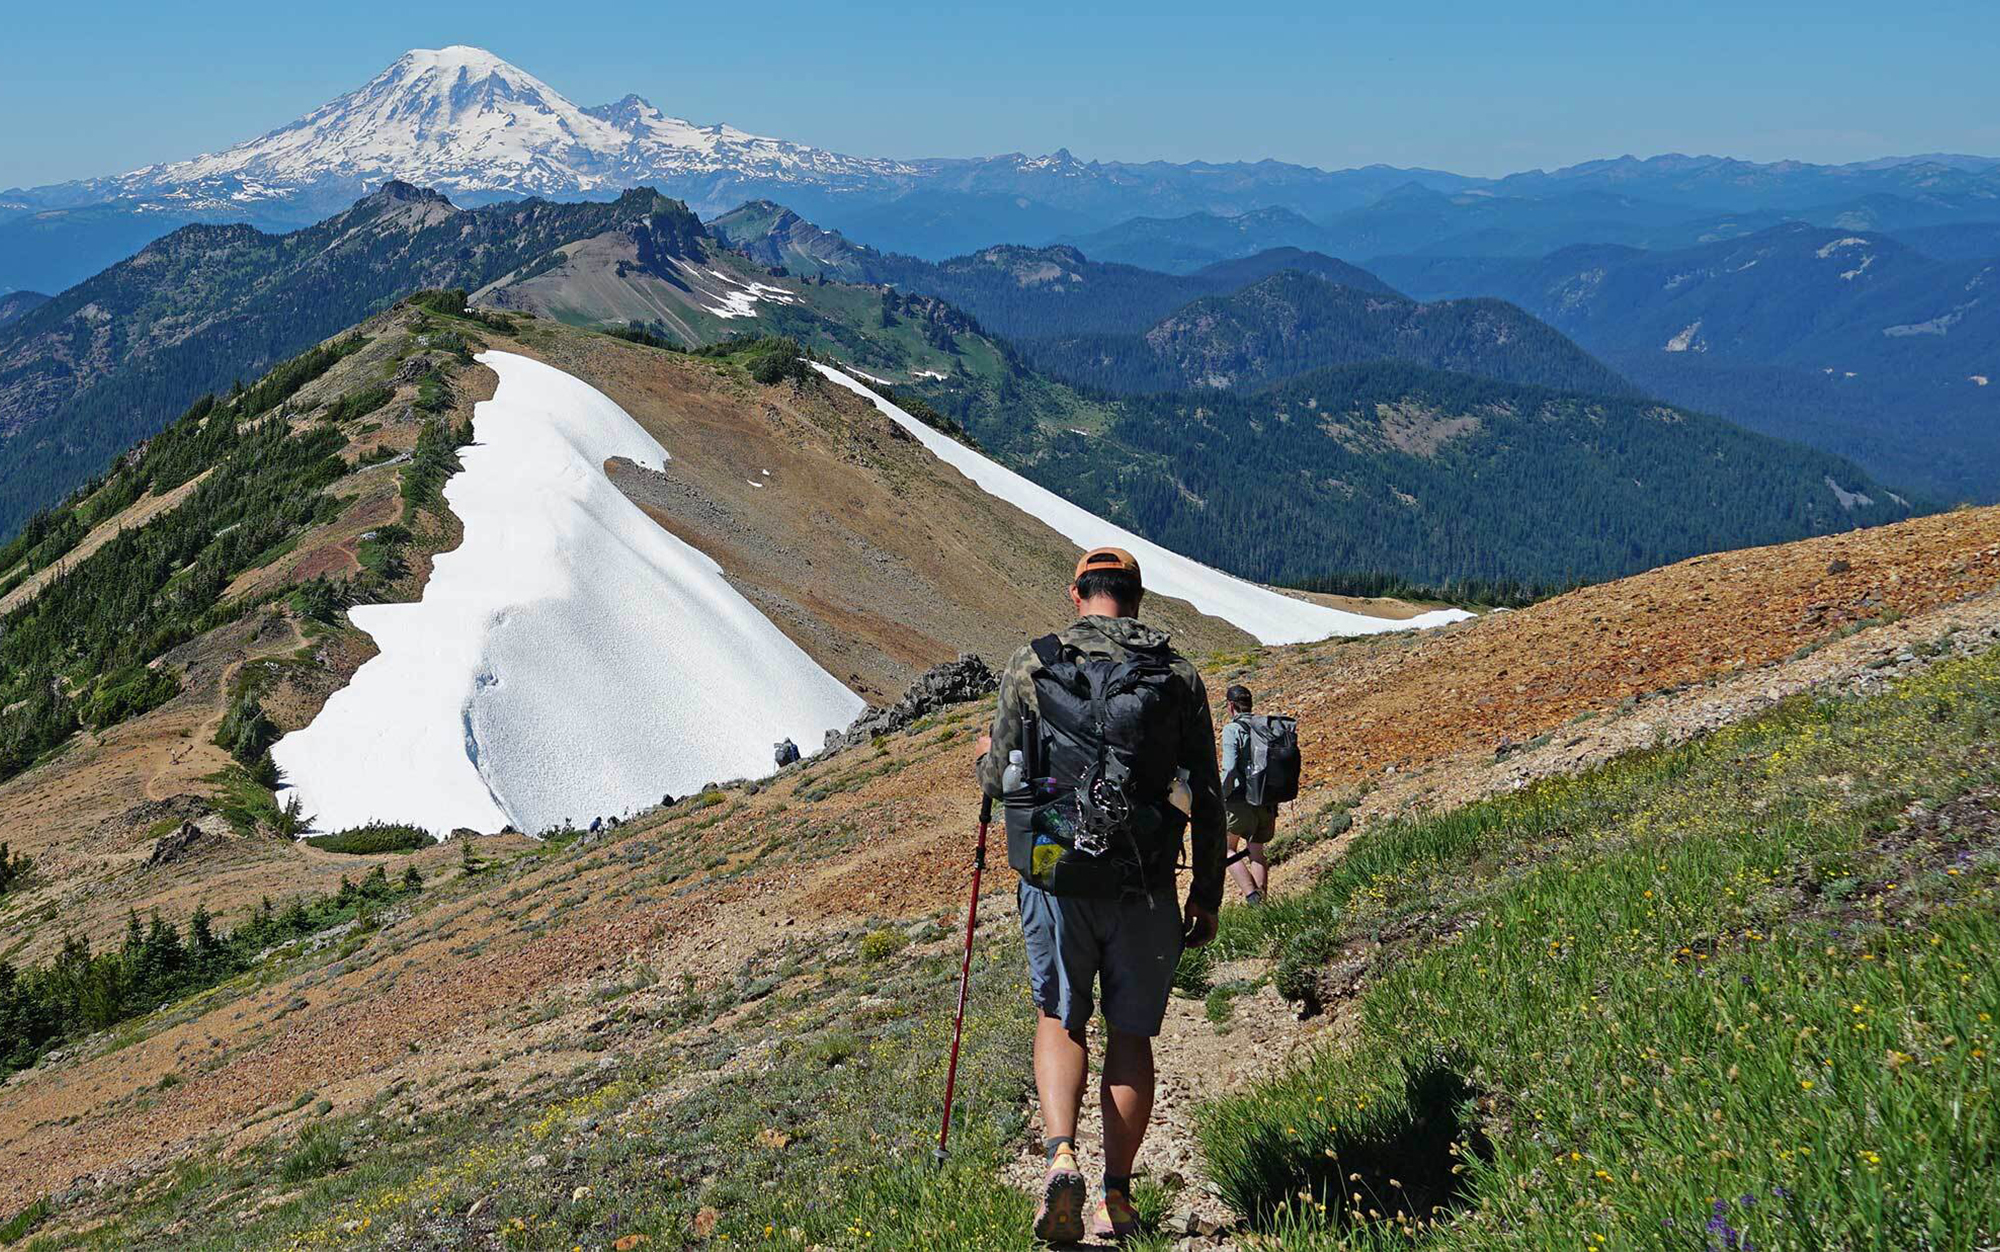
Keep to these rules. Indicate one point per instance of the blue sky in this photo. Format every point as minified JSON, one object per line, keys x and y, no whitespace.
{"x":1482,"y":88}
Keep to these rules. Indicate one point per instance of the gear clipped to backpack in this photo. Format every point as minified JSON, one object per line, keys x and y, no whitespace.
{"x":1090,"y":815}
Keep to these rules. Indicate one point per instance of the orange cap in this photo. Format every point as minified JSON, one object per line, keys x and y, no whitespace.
{"x":1107,"y":559}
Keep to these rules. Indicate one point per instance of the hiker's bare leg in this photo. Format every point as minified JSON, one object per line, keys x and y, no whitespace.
{"x":1127,"y":1096}
{"x":1240,"y":870}
{"x":1061,"y":1059}
{"x":1259,"y":866}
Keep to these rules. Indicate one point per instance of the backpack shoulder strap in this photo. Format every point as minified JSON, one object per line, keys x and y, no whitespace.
{"x":1048,"y":649}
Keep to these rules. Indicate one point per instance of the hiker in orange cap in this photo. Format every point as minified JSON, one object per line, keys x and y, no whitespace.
{"x":1095,"y":726}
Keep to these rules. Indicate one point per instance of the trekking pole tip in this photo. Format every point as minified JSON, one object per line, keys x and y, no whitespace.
{"x":938,"y":1157}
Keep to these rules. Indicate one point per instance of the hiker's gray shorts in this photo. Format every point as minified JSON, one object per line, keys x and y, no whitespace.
{"x":1130,"y":945}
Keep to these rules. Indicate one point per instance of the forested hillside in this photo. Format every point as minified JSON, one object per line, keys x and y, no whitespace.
{"x":1437,"y":476}
{"x":81,"y":651}
{"x":110,"y":361}
{"x":1292,"y":322}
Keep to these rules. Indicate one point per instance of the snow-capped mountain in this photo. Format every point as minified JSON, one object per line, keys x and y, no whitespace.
{"x":468,"y":123}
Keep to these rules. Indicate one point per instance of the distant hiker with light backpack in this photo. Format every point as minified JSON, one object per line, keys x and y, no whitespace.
{"x":1260,"y":770}
{"x":1094,"y":727}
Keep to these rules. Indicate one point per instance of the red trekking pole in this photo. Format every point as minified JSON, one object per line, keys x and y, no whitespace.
{"x":964,"y":980}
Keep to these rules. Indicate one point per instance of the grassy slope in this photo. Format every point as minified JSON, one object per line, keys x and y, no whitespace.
{"x":1745,"y":981}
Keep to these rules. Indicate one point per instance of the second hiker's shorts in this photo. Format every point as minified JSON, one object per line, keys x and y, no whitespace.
{"x":1250,"y":822}
{"x":1131,"y":945}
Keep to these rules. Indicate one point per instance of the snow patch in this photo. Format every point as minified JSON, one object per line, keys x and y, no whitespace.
{"x":1851,"y":241}
{"x":1979,"y":380}
{"x":737,"y":298}
{"x":1848,"y":499}
{"x":570,"y":658}
{"x":1271,"y":617}
{"x":1939,"y":325}
{"x":1688,"y":340}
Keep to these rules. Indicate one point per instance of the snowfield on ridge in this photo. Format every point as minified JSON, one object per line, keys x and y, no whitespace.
{"x":1268,"y":615}
{"x":570,"y":658}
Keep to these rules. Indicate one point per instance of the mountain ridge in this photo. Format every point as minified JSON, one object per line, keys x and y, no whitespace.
{"x":1292,"y":322}
{"x":1847,"y":339}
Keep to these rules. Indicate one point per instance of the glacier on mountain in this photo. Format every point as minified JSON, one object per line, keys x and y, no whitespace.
{"x":570,"y":658}
{"x":465,"y":122}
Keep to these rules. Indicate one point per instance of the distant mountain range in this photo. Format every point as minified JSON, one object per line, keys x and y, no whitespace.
{"x":110,"y":361}
{"x":466,"y":122}
{"x":1020,"y":292}
{"x":1418,"y":220}
{"x":1851,"y":341}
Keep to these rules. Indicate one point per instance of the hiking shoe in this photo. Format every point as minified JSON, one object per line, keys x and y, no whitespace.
{"x":1254,"y":898}
{"x":1059,"y":1219}
{"x":1116,"y":1218}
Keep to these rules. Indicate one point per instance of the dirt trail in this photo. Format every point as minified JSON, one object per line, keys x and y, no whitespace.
{"x":177,"y":768}
{"x":1196,"y":1059}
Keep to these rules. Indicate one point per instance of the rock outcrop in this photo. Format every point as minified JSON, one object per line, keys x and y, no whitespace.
{"x":953,"y":682}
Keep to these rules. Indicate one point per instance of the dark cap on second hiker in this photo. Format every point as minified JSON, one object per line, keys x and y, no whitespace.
{"x":1107,"y":560}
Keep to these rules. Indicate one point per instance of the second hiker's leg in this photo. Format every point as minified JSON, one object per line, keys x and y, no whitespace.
{"x":1061,"y":1060}
{"x":1127,"y":1096}
{"x":1259,"y":863}
{"x":1240,"y":870}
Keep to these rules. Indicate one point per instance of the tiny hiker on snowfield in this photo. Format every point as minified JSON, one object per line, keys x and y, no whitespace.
{"x":1260,"y":771}
{"x":1095,"y":726}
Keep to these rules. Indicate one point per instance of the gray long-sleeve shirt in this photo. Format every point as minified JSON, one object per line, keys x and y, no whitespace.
{"x":1235,"y":757}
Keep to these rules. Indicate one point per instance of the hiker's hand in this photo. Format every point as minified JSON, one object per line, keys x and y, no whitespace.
{"x":1200,"y":926}
{"x":983,"y":746}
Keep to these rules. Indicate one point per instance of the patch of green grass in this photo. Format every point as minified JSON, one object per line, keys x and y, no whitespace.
{"x":1638,"y":1000}
{"x":21,"y":1224}
{"x":320,"y":1150}
{"x":373,"y":839}
{"x":1192,"y":974}
{"x":1220,"y":1004}
{"x":245,"y":799}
